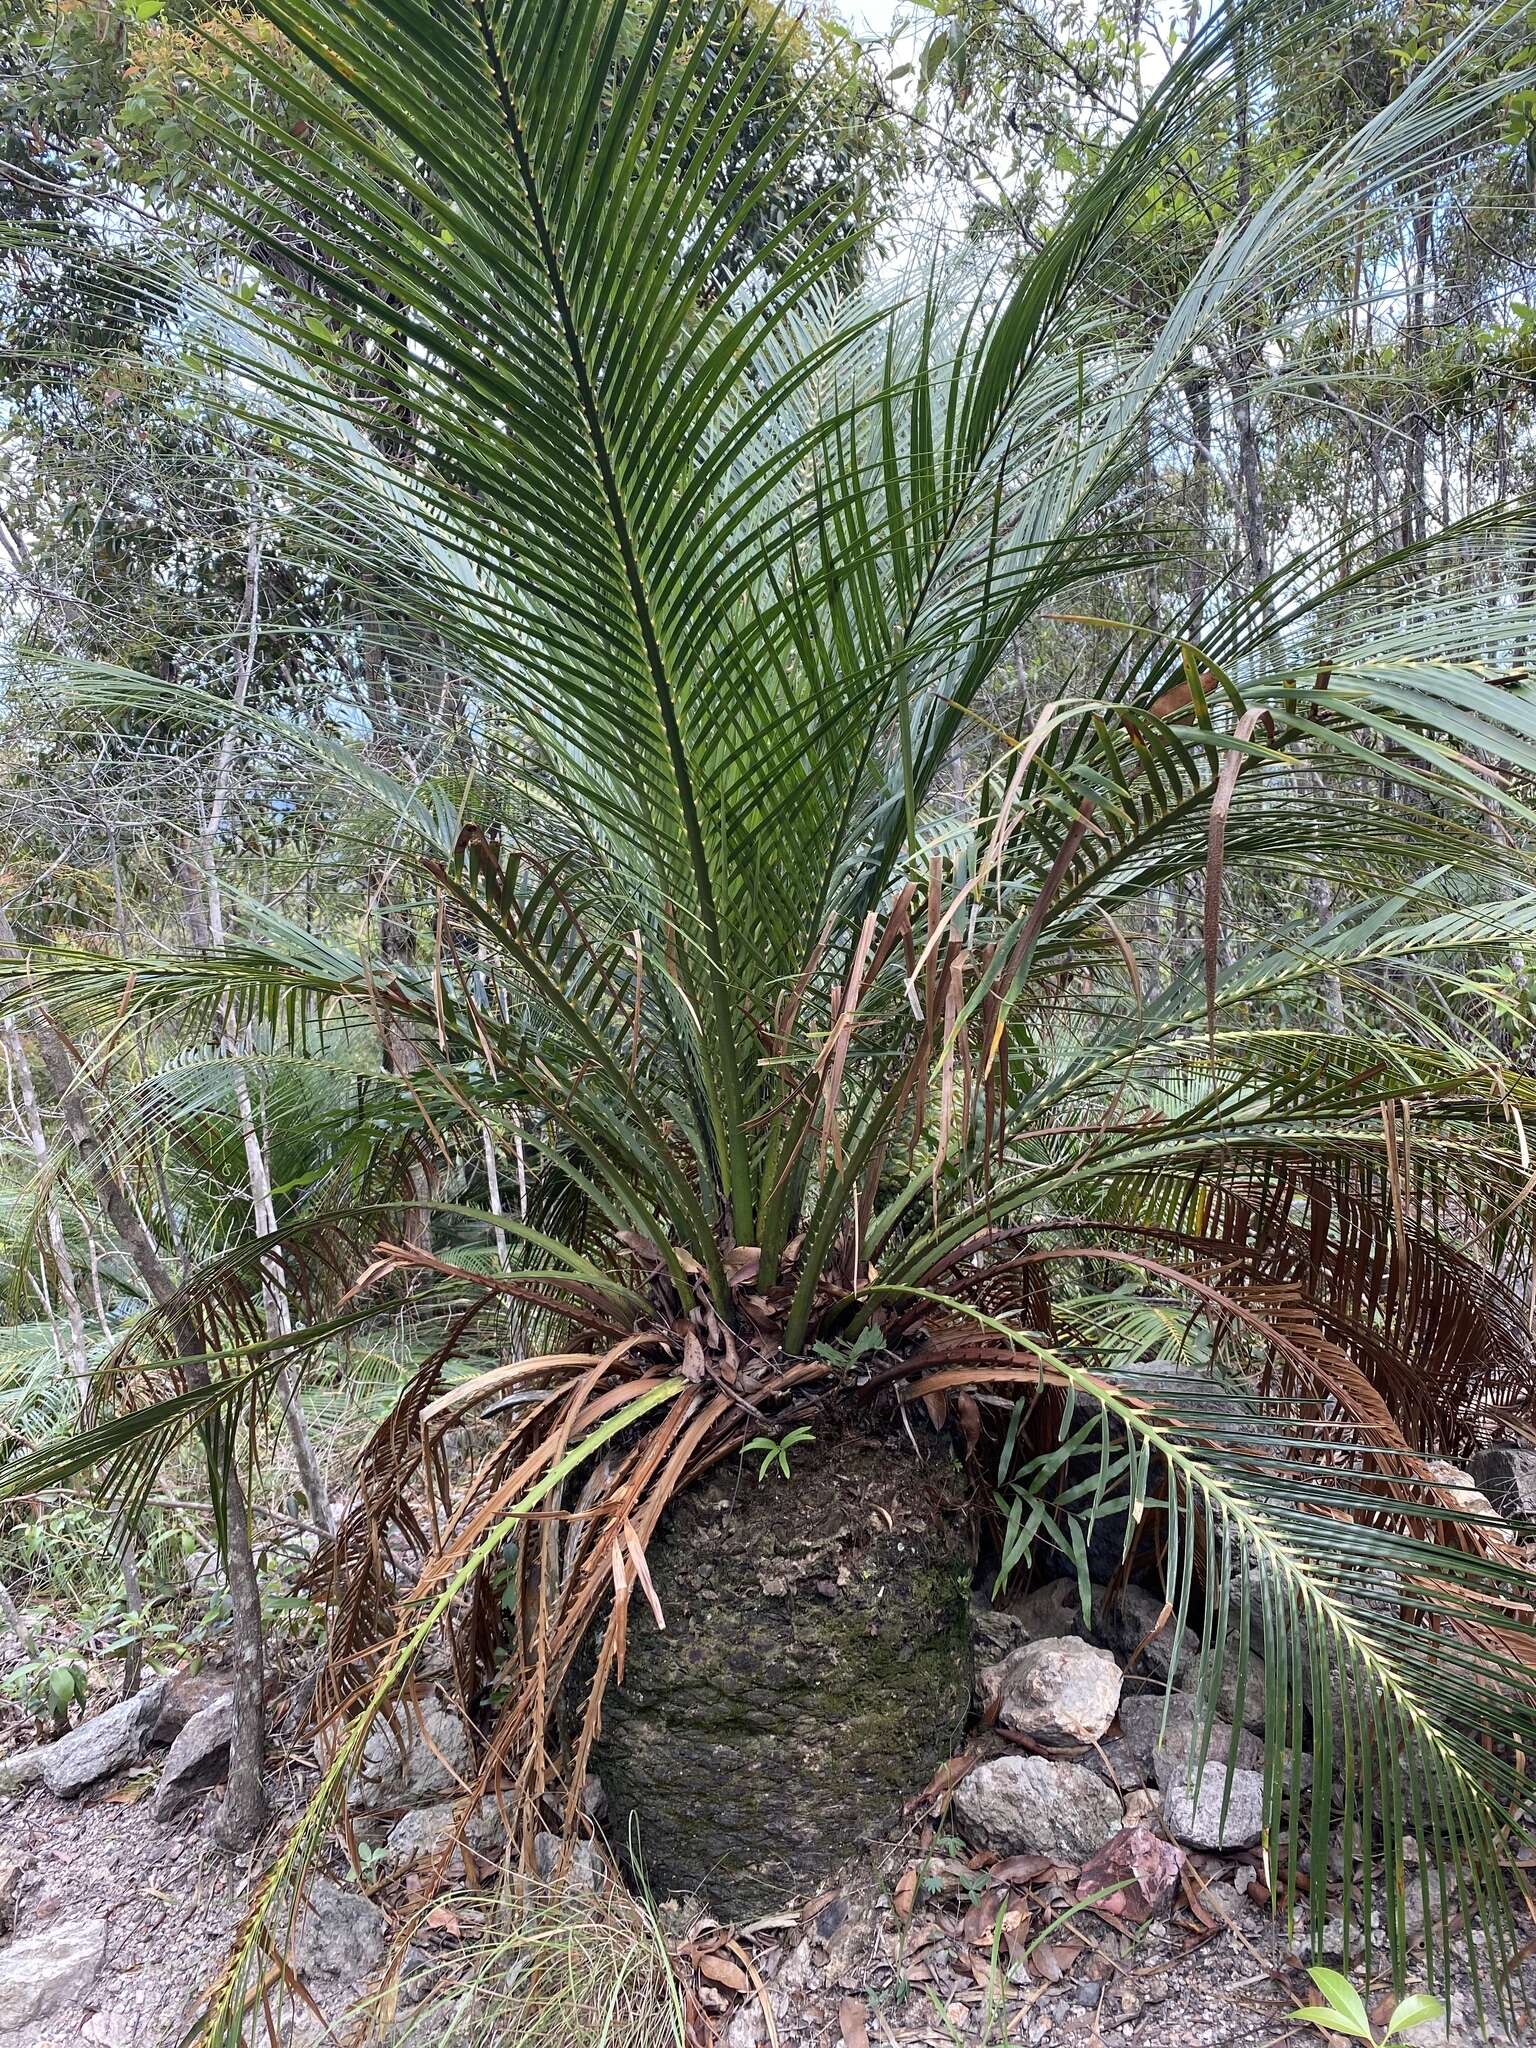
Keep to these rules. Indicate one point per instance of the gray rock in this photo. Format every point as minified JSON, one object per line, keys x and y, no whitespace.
{"x":1163,"y":1746}
{"x":12,"y":1877}
{"x":23,"y":1768}
{"x":1208,"y":1401}
{"x":422,"y":1756}
{"x":1017,"y":1803}
{"x":341,"y":1937}
{"x":198,"y":1759}
{"x":1507,"y":1476}
{"x":101,"y":1746}
{"x":1053,"y":1609}
{"x":594,"y":1799}
{"x":1116,"y":1761}
{"x":1194,"y":1814}
{"x":1060,"y":1690}
{"x":994,"y":1631}
{"x":422,"y":1834}
{"x":43,"y":1972}
{"x":583,"y":1866}
{"x":186,"y":1694}
{"x":1130,"y":1624}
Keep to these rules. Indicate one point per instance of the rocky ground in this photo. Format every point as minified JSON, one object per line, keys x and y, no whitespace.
{"x":1072,"y":1877}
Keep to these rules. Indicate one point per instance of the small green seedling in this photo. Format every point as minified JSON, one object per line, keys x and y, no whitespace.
{"x":1345,"y":2013}
{"x":848,"y":1355}
{"x":776,"y":1450}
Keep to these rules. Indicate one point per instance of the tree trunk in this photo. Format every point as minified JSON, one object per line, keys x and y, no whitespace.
{"x":245,"y":1806}
{"x":813,"y":1673}
{"x":74,"y":1321}
{"x":1197,"y":396}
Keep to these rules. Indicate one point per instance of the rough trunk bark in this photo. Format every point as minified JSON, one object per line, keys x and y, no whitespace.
{"x":813,"y":1673}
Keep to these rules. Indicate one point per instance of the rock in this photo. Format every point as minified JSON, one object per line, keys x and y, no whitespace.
{"x":101,"y":1746}
{"x":421,"y":1835}
{"x":1017,"y":1803}
{"x":1143,"y":1807}
{"x":748,"y":2028}
{"x":199,"y":1758}
{"x":421,"y":1755}
{"x":43,"y":1972}
{"x":1117,"y":1762}
{"x":1468,"y":1498}
{"x":341,"y":1937}
{"x":583,"y":1867}
{"x":1194,"y":1814}
{"x":23,"y":1768}
{"x":1130,"y":1622}
{"x":11,"y":1875}
{"x":1507,"y":1477}
{"x":815,"y":1668}
{"x":1163,"y":1730}
{"x":187,"y":1693}
{"x":994,"y":1632}
{"x":593,"y":1799}
{"x":1141,"y":1862}
{"x":1054,"y":1609}
{"x":1059,"y":1690}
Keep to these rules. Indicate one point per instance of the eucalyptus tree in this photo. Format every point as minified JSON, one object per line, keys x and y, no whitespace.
{"x":835,"y":1073}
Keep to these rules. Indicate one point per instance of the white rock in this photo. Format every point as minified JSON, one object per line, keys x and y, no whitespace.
{"x":43,"y":1972}
{"x":1059,"y":1690}
{"x":1017,"y":1803}
{"x":1195,"y":1816}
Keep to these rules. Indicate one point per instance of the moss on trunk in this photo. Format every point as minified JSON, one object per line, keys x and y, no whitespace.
{"x":814,"y":1671}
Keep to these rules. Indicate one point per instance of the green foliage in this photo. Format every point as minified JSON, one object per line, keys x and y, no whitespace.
{"x":839,"y":1022}
{"x":775,"y":1451}
{"x":1344,"y":2011}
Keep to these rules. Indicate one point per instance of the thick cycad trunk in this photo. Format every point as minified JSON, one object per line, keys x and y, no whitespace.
{"x":813,"y":1673}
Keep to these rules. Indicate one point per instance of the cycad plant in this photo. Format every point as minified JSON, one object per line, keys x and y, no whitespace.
{"x":831,"y":1015}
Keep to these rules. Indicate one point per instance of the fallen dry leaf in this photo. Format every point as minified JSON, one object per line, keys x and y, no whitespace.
{"x":853,"y":2023}
{"x":1021,"y":1869}
{"x":943,"y":1781}
{"x":980,"y":1922}
{"x":905,"y":1895}
{"x":718,"y":1969}
{"x":444,"y":1919}
{"x":130,"y":1792}
{"x":1207,"y":1919}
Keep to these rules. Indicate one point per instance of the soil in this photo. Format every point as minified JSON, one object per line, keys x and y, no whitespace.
{"x":1218,"y":1972}
{"x":170,"y":1896}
